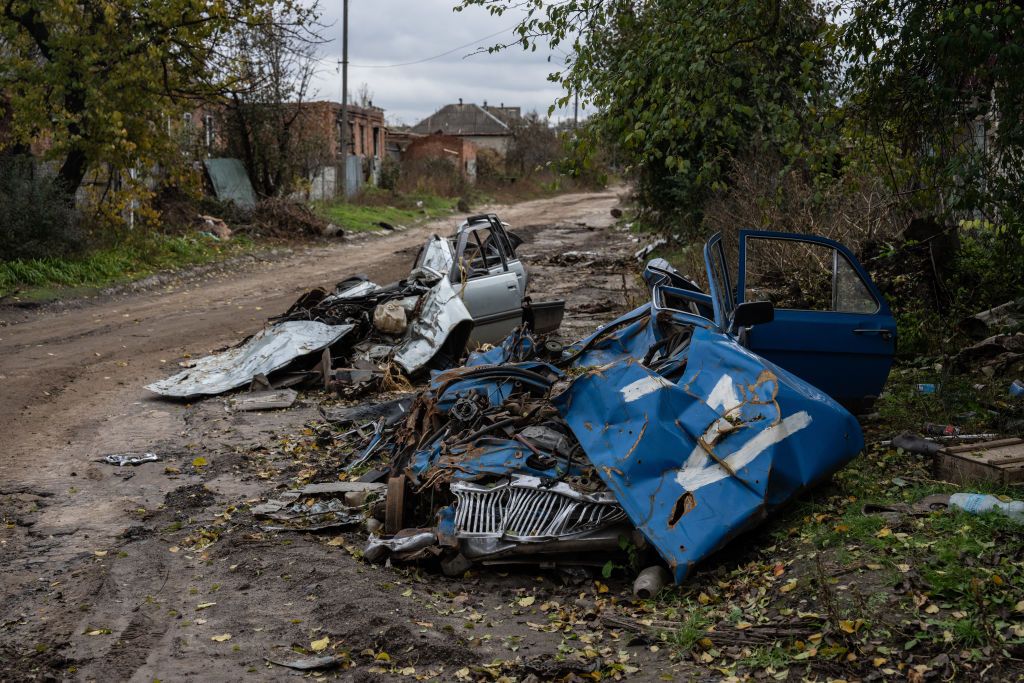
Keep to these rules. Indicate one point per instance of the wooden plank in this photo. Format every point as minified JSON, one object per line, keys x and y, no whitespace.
{"x":984,"y":445}
{"x":997,"y":461}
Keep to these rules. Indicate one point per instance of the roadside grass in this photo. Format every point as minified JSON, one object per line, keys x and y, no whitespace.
{"x":131,"y":258}
{"x":373,"y":206}
{"x":875,"y":594}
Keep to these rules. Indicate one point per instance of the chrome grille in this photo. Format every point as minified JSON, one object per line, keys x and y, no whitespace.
{"x":520,"y":510}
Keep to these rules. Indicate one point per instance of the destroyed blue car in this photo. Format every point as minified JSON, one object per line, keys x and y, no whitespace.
{"x":675,"y":427}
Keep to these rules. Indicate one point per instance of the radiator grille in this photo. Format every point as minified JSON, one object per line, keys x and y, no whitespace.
{"x":523,"y":512}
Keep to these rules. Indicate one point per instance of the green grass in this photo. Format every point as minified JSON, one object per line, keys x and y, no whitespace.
{"x":133,"y":258}
{"x":366,"y":213}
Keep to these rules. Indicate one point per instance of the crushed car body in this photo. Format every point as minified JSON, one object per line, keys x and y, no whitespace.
{"x":468,"y":289}
{"x":662,"y":429}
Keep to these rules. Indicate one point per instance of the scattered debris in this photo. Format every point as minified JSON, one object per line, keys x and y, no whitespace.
{"x":316,"y":507}
{"x":309,"y":664}
{"x":470,"y":287}
{"x":650,"y":581}
{"x":1000,"y":461}
{"x":263,"y":400}
{"x":129,"y":459}
{"x":216,"y":227}
{"x":980,"y":503}
{"x":647,"y":250}
{"x":270,"y":349}
{"x":524,"y":457}
{"x":1017,"y":388}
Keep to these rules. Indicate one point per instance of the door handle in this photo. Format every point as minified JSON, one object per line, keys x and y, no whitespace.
{"x":885,"y":334}
{"x":512,"y":285}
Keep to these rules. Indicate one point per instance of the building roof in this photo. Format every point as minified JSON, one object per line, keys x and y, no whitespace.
{"x":462,"y":119}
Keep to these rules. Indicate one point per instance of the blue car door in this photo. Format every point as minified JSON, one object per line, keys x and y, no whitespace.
{"x":832,"y":326}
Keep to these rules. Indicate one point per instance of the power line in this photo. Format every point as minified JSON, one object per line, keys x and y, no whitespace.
{"x":427,"y":59}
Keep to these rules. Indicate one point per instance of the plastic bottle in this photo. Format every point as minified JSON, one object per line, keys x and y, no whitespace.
{"x":1017,"y":388}
{"x":977,"y":503}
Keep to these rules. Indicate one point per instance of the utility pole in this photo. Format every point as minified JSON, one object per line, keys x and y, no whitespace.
{"x":344,"y":101}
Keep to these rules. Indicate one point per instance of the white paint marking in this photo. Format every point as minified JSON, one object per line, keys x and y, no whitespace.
{"x":697,"y":472}
{"x":640,"y":388}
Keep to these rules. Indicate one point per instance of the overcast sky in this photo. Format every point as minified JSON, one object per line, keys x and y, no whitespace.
{"x":385,"y":32}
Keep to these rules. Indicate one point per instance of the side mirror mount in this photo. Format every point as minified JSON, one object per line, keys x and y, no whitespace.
{"x":752,"y":313}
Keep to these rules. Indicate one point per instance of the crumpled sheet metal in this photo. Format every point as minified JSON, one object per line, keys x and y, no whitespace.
{"x":695,"y":453}
{"x":698,"y":461}
{"x":268,"y":350}
{"x":441,"y":315}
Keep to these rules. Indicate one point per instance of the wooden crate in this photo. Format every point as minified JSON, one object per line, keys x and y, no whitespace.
{"x":1000,"y":461}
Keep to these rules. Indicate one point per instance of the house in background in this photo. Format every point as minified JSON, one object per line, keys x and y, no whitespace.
{"x":363,"y":145}
{"x":459,"y":150}
{"x":486,"y":127}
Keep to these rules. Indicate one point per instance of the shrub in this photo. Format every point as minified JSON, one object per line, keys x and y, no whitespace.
{"x":37,"y":219}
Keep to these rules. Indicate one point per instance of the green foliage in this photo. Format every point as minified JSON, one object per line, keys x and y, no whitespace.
{"x":374,"y":206}
{"x":937,"y":79}
{"x":131,"y":257}
{"x":36,"y":218}
{"x":100,"y":80}
{"x":683,"y":86}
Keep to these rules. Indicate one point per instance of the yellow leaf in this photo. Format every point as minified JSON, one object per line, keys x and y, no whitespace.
{"x":99,"y":553}
{"x":200,"y":462}
{"x":221,"y":638}
{"x":840,"y":528}
{"x":408,"y":671}
{"x":850,"y":626}
{"x":407,"y":593}
{"x":879,"y":661}
{"x":703,"y":598}
{"x":320,"y":645}
{"x":205,"y":605}
{"x":903,"y":568}
{"x":463,"y":674}
{"x":873,"y":566}
{"x":383,"y":657}
{"x":788,"y":586}
{"x":1019,"y":607}
{"x":885,"y":531}
{"x":997,"y":580}
{"x":336,"y":541}
{"x":527,"y":601}
{"x":932,"y":609}
{"x":742,"y":625}
{"x":601,"y":588}
{"x":814,"y":638}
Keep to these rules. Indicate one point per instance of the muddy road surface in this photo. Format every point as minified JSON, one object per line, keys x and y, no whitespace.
{"x":158,"y":572}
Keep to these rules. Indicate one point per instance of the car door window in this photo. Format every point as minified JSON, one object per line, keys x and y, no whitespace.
{"x":807,"y":276}
{"x":481,"y":254}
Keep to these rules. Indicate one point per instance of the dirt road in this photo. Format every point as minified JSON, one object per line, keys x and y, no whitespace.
{"x":108,"y":571}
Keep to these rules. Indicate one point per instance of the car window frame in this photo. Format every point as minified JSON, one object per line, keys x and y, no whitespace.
{"x":881,"y":306}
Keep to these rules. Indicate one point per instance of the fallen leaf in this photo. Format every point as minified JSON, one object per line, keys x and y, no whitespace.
{"x":407,"y":593}
{"x":527,"y":601}
{"x":885,"y":531}
{"x":221,"y":638}
{"x":100,"y":553}
{"x":200,"y":621}
{"x":205,"y":605}
{"x":788,"y":586}
{"x":320,"y":645}
{"x":932,"y":609}
{"x":200,"y":462}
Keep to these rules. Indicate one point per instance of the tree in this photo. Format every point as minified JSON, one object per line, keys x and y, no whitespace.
{"x":96,"y":80}
{"x":268,"y":80}
{"x":942,"y":83}
{"x":682,"y":87}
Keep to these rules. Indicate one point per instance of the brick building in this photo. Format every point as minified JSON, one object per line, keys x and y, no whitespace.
{"x":458,"y":150}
